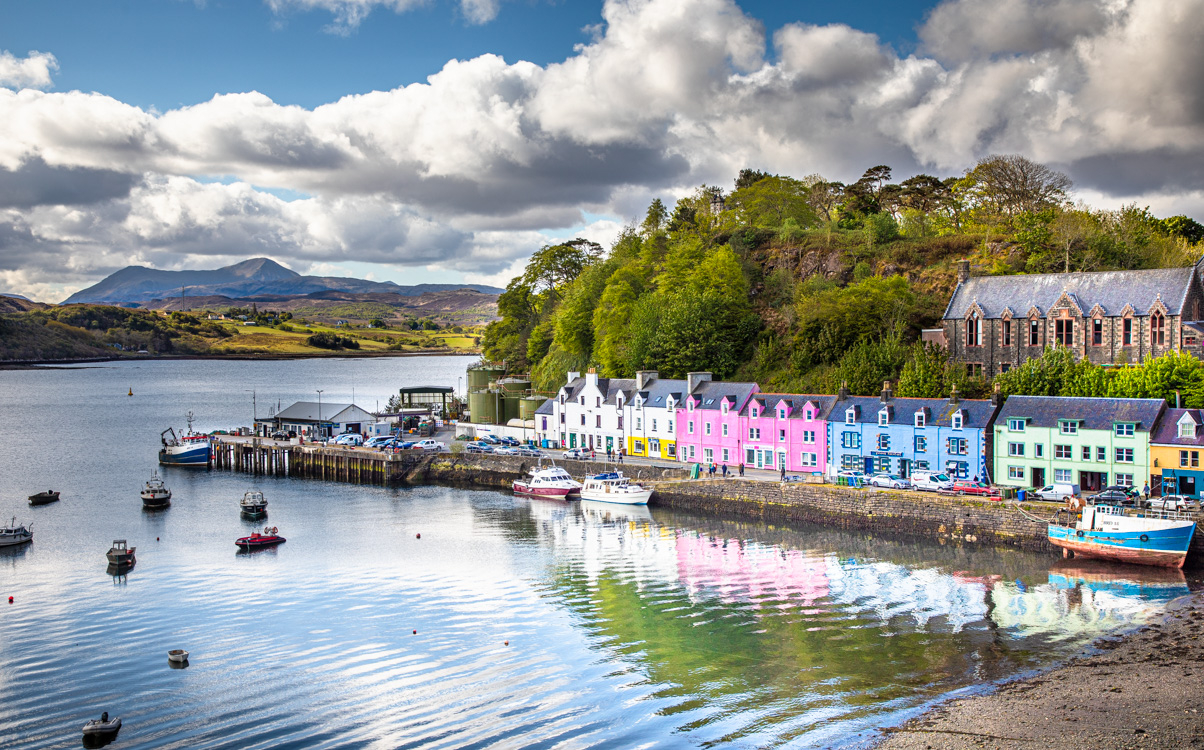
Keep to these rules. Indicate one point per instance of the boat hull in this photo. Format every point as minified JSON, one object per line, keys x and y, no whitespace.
{"x":259,"y":543}
{"x":618,"y":498}
{"x":44,"y":498}
{"x":14,"y":540}
{"x":185,"y":455}
{"x":563,"y":493}
{"x":156,"y":502}
{"x":1166,"y":548}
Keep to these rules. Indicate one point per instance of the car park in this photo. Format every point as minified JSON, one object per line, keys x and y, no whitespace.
{"x":973,"y":487}
{"x":581,"y":454}
{"x":890,"y":481}
{"x":1057,"y":492}
{"x":932,"y":481}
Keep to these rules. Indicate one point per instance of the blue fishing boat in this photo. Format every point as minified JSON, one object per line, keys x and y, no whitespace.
{"x":189,"y":449}
{"x":1131,"y":535}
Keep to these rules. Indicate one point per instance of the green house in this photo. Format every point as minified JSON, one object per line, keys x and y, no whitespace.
{"x":1091,"y":442}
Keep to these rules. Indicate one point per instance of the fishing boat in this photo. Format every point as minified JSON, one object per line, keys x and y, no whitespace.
{"x":14,"y":534}
{"x":253,"y":503}
{"x":120,"y":553}
{"x":613,"y":487}
{"x":269,"y":538}
{"x":177,"y":655}
{"x":155,"y":494}
{"x":188,"y":449}
{"x":103,"y":726}
{"x":44,"y":498}
{"x":1131,"y":535}
{"x":551,"y":481}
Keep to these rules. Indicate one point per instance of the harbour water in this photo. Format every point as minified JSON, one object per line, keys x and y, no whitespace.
{"x":446,"y":617}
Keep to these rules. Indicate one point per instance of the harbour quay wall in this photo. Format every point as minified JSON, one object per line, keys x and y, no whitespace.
{"x":946,"y":519}
{"x":490,"y":470}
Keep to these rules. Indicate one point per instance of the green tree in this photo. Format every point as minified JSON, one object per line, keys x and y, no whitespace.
{"x":655,"y":219}
{"x":772,"y":200}
{"x":553,"y":266}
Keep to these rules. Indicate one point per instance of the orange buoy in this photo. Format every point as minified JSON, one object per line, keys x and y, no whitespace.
{"x":415,"y":632}
{"x":10,"y":601}
{"x":505,"y":643}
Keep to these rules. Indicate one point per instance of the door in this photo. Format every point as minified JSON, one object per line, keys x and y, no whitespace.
{"x":781,"y":460}
{"x":609,"y":442}
{"x":760,"y":460}
{"x":868,"y":465}
{"x":1038,"y":477}
{"x":572,"y":440}
{"x":904,"y":468}
{"x":1187,"y":485}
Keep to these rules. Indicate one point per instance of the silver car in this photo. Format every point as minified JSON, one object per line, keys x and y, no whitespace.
{"x":890,"y":481}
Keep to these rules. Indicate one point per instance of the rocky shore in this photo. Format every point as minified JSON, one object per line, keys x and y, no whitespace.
{"x":1143,"y":690}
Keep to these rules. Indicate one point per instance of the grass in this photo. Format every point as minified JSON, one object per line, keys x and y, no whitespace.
{"x":266,"y":340}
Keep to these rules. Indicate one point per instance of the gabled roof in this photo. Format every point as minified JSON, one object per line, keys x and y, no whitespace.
{"x":976,"y":413}
{"x":547,"y":407}
{"x":1111,"y":290}
{"x":1090,"y":413}
{"x":710,"y":394}
{"x":612,"y":387}
{"x":657,"y":392}
{"x":796,"y":401}
{"x":307,"y":411}
{"x":1167,"y":431}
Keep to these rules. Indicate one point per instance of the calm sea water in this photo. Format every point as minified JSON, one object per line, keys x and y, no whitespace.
{"x":510,"y":623}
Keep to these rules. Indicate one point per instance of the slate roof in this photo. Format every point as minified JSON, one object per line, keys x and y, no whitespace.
{"x":769,"y":403}
{"x":714,"y":391}
{"x":614,"y":386}
{"x":938,"y":411}
{"x":304,"y":411}
{"x":547,"y":407}
{"x":656,"y":394}
{"x":1093,"y":413}
{"x":1167,"y":432}
{"x":1111,"y":290}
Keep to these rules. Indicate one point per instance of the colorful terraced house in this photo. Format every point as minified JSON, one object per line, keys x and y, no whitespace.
{"x":781,"y":430}
{"x":708,"y":421}
{"x":1177,"y":453}
{"x":651,"y":416}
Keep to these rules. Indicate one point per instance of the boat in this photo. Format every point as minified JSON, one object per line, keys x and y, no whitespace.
{"x":253,"y":503}
{"x":269,"y":538}
{"x":102,"y":726}
{"x":613,"y":487}
{"x":551,"y":481}
{"x":177,"y":655}
{"x":188,"y":449}
{"x":155,"y":494}
{"x":120,"y":554}
{"x":1131,"y":535}
{"x":13,"y":534}
{"x":44,"y":498}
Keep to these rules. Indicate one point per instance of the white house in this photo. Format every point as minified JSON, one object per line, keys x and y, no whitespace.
{"x":589,"y":411}
{"x":318,"y":421}
{"x":650,"y":416}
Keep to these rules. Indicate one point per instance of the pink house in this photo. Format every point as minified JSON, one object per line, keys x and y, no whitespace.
{"x":790,"y":430}
{"x":708,"y":421}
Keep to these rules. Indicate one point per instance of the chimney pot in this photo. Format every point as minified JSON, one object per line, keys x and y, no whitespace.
{"x":963,"y":271}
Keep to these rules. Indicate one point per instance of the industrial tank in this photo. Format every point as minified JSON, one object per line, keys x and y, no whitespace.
{"x":482,"y":407}
{"x":515,"y":385}
{"x":510,"y":408}
{"x":479,"y":376}
{"x":528,"y":406}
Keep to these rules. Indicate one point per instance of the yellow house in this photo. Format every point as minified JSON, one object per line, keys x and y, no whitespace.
{"x":1177,"y":453}
{"x":651,"y":416}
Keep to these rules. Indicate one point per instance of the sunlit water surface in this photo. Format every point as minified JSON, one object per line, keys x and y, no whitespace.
{"x":509,"y":623}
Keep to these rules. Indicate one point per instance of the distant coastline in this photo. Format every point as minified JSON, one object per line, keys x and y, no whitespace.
{"x":346,"y":354}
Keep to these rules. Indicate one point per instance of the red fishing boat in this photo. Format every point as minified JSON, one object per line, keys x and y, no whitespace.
{"x":269,"y":538}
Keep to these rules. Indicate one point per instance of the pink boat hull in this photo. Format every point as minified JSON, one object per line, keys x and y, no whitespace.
{"x":521,"y":488}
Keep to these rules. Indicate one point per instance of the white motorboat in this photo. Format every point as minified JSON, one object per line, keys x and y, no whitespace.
{"x":253,"y":503}
{"x":155,"y":494}
{"x":613,"y":487}
{"x":15,"y":534}
{"x":551,"y":481}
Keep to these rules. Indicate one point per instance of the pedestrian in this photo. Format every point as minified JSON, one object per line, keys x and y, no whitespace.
{"x":622,"y":451}
{"x":724,"y":472}
{"x":741,"y":469}
{"x":1146,"y":490}
{"x":592,"y":455}
{"x":711,"y":470}
{"x":783,"y":472}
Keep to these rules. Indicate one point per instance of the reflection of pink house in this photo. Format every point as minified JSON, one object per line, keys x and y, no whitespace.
{"x":786,"y":429}
{"x":735,"y":570}
{"x":708,"y":421}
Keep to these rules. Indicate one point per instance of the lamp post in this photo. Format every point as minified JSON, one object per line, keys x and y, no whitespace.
{"x":320,"y":413}
{"x":254,"y":412}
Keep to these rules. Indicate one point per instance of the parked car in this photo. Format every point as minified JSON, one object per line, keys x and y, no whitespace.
{"x":890,"y":481}
{"x":379,"y":441}
{"x":401,"y":445}
{"x":1173,"y":502}
{"x":931,"y":481}
{"x":1113,"y":497}
{"x":1056,"y":492}
{"x":478,"y":448}
{"x":489,"y":439}
{"x":349,"y":438}
{"x":430,"y":445}
{"x":1130,"y":491}
{"x":581,"y":454}
{"x":280,"y":435}
{"x":505,"y":450}
{"x":505,"y":440}
{"x":531,"y":452}
{"x":971,"y":487}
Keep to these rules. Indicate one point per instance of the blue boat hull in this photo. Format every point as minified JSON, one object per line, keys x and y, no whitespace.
{"x":1161,"y":547}
{"x":198,"y":456}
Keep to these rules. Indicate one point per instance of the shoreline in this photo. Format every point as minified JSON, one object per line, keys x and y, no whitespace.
{"x":1138,"y":689}
{"x":350,"y":354}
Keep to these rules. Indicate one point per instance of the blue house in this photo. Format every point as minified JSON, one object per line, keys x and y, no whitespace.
{"x":902,"y":435}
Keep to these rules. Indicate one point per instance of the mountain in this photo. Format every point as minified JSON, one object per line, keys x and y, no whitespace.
{"x":258,"y":276}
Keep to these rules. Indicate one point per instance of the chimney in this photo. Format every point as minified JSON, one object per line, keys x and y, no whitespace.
{"x":695,"y":379}
{"x":886,"y":392}
{"x":843,"y":393}
{"x":954,"y":397}
{"x":963,"y":271}
{"x":573,"y":375}
{"x":643,"y":378}
{"x":591,"y":377}
{"x":1177,"y":399}
{"x":996,"y":396}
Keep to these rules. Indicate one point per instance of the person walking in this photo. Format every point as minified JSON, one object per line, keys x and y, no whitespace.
{"x":622,"y":452}
{"x":1146,"y":491}
{"x":741,"y":469}
{"x":711,"y":470}
{"x":724,"y":471}
{"x":783,"y":472}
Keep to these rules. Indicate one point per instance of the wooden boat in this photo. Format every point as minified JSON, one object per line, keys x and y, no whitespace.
{"x":1131,"y":535}
{"x":551,"y":481}
{"x":155,"y":494}
{"x":253,"y":503}
{"x":44,"y":498}
{"x":103,"y":726}
{"x":269,"y":538}
{"x":613,"y":487}
{"x":120,"y":553}
{"x":177,"y":655}
{"x":14,"y":534}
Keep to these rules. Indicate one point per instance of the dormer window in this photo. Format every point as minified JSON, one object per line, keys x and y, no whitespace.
{"x":919,"y":419}
{"x":883,"y":418}
{"x":723,"y":408}
{"x":1187,"y":427}
{"x":958,"y":419}
{"x":690,"y":405}
{"x":1124,"y":429}
{"x":850,"y":416}
{"x":781,"y":413}
{"x":754,"y":412}
{"x":1068,"y":428}
{"x":1015,"y":425}
{"x":808,"y":415}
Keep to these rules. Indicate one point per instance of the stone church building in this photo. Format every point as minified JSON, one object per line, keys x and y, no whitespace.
{"x":995,"y":323}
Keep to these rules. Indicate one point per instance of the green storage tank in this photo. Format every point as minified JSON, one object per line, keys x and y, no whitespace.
{"x":510,"y":409}
{"x":527,"y":407}
{"x":479,"y":376}
{"x":515,"y":385}
{"x":482,"y":407}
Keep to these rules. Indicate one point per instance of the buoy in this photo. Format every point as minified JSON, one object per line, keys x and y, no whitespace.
{"x":156,"y":539}
{"x":505,"y":643}
{"x":131,"y":392}
{"x":418,"y":536}
{"x":10,"y":601}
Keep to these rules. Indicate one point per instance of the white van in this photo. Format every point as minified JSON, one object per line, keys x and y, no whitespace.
{"x":931,"y":480}
{"x":1057,"y":492}
{"x":349,"y":438}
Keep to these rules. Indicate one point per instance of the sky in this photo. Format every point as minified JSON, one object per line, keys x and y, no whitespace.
{"x":445,"y":141}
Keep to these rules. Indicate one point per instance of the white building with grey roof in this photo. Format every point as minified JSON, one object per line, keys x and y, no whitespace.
{"x":589,"y":411}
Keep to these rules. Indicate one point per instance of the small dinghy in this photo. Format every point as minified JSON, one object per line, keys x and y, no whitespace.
{"x":269,"y":538}
{"x":44,"y":498}
{"x":177,"y":655}
{"x":120,"y":553}
{"x":102,"y":727}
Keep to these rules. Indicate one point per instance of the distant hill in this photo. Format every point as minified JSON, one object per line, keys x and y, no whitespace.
{"x":250,"y":278}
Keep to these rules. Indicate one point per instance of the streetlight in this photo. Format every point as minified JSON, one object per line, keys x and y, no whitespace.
{"x":320,"y":413}
{"x":254,"y":412}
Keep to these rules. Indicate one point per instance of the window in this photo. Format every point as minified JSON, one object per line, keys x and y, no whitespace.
{"x":1124,"y":480}
{"x":690,"y":405}
{"x":561,"y":417}
{"x":669,"y":426}
{"x":921,"y":444}
{"x":1124,"y":455}
{"x":598,"y":405}
{"x":974,"y":331}
{"x":754,"y":433}
{"x":1039,"y":450}
{"x":883,"y":418}
{"x":884,"y":442}
{"x":1064,"y":332}
{"x":957,"y":421}
{"x":1085,"y":452}
{"x":725,"y":458}
{"x":1063,"y":451}
{"x":1015,"y":425}
{"x":598,"y":421}
{"x":1189,"y":458}
{"x":1068,"y":428}
{"x":706,"y":428}
{"x":545,"y":424}
{"x":690,"y":427}
{"x":1016,"y":472}
{"x":1195,"y":459}
{"x":582,"y":420}
{"x":850,"y":416}
{"x":1007,"y":333}
{"x":583,"y":400}
{"x":637,"y":446}
{"x":781,"y":436}
{"x":1124,"y":429}
{"x":882,"y":463}
{"x":919,"y":419}
{"x":620,"y":421}
{"x":1157,"y":329}
{"x":724,"y":429}
{"x":957,"y":469}
{"x":781,"y":413}
{"x":753,"y":412}
{"x":672,"y":450}
{"x":851,"y":462}
{"x":808,"y":436}
{"x":1128,"y":332}
{"x":1062,"y":475}
{"x":1015,"y":449}
{"x":1187,"y":429}
{"x":850,"y":440}
{"x":691,"y":453}
{"x":723,"y":406}
{"x":767,"y":457}
{"x":809,"y":459}
{"x":708,"y":456}
{"x":1097,"y":332}
{"x":1101,"y":453}
{"x":974,"y":369}
{"x":808,"y":415}
{"x":1034,"y":332}
{"x":637,"y":423}
{"x":958,"y":446}
{"x":1005,"y":366}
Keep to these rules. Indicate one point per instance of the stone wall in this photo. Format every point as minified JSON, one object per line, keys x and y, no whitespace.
{"x":500,"y":471}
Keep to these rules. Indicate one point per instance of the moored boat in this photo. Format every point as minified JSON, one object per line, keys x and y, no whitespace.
{"x":269,"y":538}
{"x":188,"y":449}
{"x":177,"y":655}
{"x":551,"y":481}
{"x":253,"y":503}
{"x":120,"y":553}
{"x":103,"y":726}
{"x":155,"y":494}
{"x":44,"y":498}
{"x":1130,"y":535}
{"x":15,"y":533}
{"x":613,"y":487}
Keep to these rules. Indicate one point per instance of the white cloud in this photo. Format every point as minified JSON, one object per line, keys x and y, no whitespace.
{"x":349,"y":14}
{"x":33,"y":71}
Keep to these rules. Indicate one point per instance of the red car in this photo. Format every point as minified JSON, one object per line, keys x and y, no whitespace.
{"x":971,"y":487}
